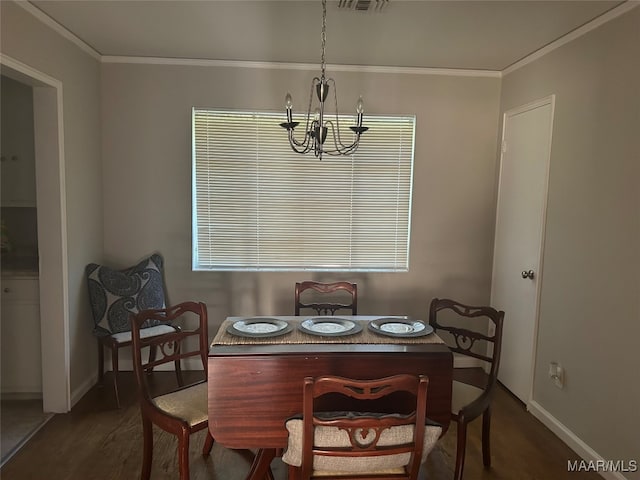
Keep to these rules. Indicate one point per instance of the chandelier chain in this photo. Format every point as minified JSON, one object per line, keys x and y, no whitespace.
{"x":324,"y":36}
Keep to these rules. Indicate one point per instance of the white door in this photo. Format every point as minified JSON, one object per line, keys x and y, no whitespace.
{"x":520,"y":219}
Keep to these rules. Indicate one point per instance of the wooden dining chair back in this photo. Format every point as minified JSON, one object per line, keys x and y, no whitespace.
{"x":326,"y":298}
{"x":359,"y":444}
{"x":473,"y":385}
{"x":184,"y":410}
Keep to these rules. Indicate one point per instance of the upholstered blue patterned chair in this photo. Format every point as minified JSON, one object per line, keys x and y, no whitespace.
{"x":114,"y":296}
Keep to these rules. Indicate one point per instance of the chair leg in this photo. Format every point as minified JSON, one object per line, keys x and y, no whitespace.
{"x":461,"y":448}
{"x":100,"y":362}
{"x":153,"y":350}
{"x":486,"y":437}
{"x":208,"y":444}
{"x":178,"y":369}
{"x":114,"y":365}
{"x":293,"y":473}
{"x":269,"y":475}
{"x":183,"y":454}
{"x":179,"y":374}
{"x":147,"y":449}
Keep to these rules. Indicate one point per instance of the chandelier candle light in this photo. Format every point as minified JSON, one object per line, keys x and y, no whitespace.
{"x":318,"y":127}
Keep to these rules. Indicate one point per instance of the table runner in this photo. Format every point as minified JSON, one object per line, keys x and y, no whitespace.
{"x":297,"y":336}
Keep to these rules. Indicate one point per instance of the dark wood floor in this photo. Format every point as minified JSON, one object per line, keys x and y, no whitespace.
{"x":96,"y":441}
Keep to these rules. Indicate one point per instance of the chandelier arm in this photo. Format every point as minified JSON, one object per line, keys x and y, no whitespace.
{"x":339,"y":146}
{"x":342,"y":152}
{"x":314,"y":82}
{"x":292,"y":139}
{"x":337,"y":138}
{"x":335,"y":101}
{"x":295,"y":144}
{"x":299,"y":147}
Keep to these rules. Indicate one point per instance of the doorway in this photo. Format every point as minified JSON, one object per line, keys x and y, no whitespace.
{"x":51,"y":225}
{"x":519,"y":238}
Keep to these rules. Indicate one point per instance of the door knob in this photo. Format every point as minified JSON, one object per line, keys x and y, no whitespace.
{"x":528,"y":274}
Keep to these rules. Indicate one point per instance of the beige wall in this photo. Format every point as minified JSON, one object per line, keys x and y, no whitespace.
{"x":147,"y":180}
{"x":28,"y":41}
{"x":590,"y":303}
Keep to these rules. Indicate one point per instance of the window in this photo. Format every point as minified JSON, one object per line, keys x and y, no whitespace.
{"x":257,"y":205}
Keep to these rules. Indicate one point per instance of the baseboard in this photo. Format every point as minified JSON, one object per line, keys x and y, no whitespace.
{"x":126,"y":365}
{"x":83,"y":388}
{"x":21,"y":396}
{"x":571,"y":439}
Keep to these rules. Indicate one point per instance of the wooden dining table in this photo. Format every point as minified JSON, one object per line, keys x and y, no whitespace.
{"x":255,"y":383}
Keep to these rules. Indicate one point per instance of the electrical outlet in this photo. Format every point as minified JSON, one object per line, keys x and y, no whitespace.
{"x":556,"y":373}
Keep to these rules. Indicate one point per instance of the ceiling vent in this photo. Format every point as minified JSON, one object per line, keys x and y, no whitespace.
{"x":363,"y":5}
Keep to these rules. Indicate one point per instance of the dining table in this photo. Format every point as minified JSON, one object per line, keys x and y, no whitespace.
{"x":256,"y":374}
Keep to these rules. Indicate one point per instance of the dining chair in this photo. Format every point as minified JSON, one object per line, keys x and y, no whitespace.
{"x":475,"y":333}
{"x":184,"y":410}
{"x":359,"y":444}
{"x":334,"y":292}
{"x":113,"y":296}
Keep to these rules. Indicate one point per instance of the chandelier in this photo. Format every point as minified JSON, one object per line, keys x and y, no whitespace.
{"x":319,"y":123}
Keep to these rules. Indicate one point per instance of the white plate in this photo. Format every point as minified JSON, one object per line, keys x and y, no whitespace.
{"x":259,"y":327}
{"x":330,"y":326}
{"x":400,"y":327}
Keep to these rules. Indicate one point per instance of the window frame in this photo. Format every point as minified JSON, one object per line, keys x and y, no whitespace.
{"x":407,"y":122}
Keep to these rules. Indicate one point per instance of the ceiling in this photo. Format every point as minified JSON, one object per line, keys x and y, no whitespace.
{"x":475,"y":34}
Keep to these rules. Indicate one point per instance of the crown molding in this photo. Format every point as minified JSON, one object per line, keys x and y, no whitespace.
{"x":571,"y":36}
{"x":298,"y":66}
{"x":51,"y":23}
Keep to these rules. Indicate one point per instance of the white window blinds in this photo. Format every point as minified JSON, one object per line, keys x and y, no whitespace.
{"x":257,"y":205}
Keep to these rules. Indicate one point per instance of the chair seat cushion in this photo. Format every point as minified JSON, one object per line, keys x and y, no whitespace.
{"x":334,"y":473}
{"x":144,"y":333}
{"x":189,"y":404}
{"x":463,"y":394}
{"x":334,"y":437}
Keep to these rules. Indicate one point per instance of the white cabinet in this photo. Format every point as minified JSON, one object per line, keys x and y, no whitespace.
{"x":20,"y":325}
{"x":17,"y":158}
